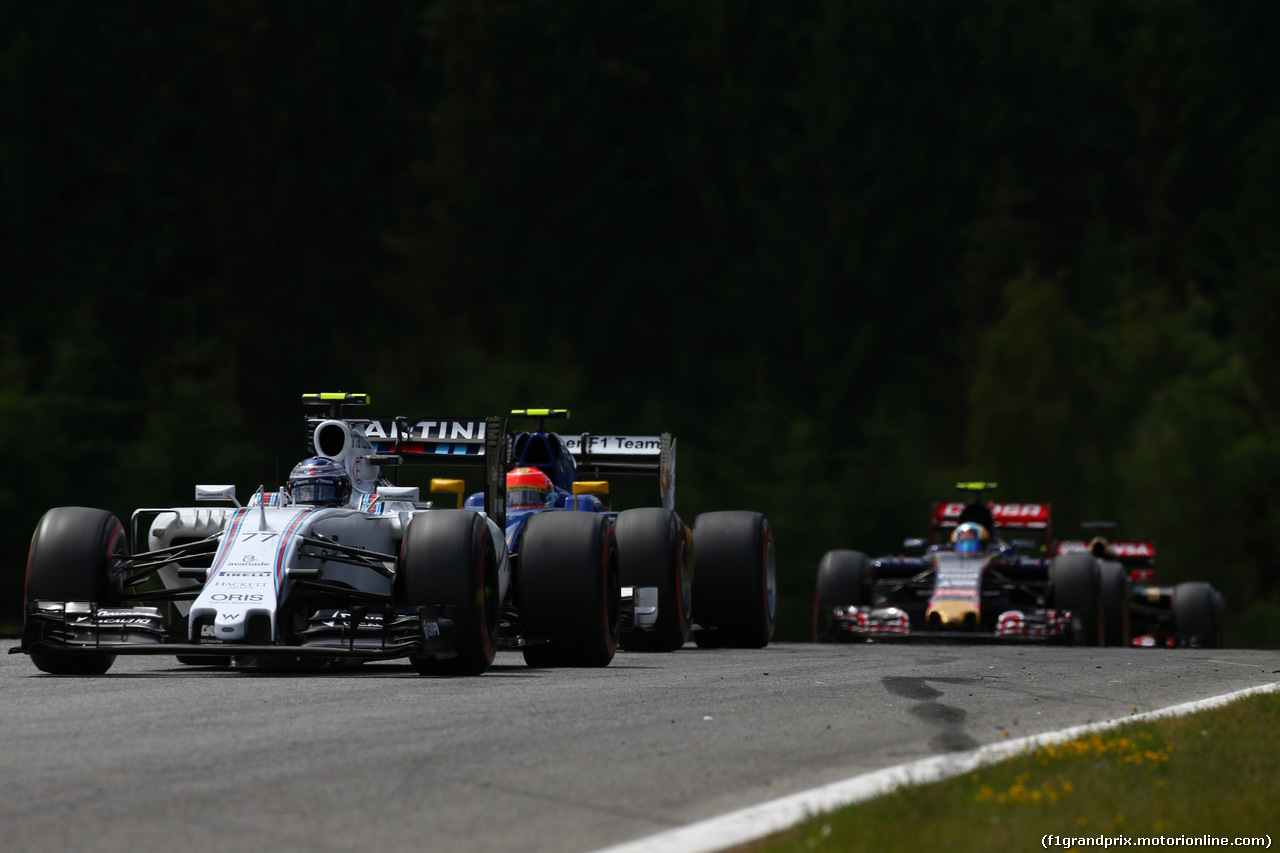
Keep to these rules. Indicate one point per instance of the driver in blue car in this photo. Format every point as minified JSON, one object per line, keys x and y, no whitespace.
{"x":528,"y":487}
{"x":969,"y":538}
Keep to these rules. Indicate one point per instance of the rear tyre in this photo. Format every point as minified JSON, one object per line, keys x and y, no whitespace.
{"x":1196,"y":620}
{"x":570,"y":597}
{"x":653,"y":551}
{"x":77,"y":554}
{"x":448,"y":558}
{"x":1114,"y":588}
{"x":735,"y":589}
{"x":842,"y":582}
{"x":1074,"y":586}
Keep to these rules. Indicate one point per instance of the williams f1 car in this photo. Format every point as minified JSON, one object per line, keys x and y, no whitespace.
{"x":1192,"y":613}
{"x":968,"y":582}
{"x":715,"y":580}
{"x":337,"y":566}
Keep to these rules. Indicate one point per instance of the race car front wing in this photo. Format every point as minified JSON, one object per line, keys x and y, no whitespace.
{"x":383,"y":633}
{"x":866,"y":623}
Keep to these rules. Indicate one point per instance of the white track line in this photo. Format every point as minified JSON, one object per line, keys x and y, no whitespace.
{"x":749,"y":824}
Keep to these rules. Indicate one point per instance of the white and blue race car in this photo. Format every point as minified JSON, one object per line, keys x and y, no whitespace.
{"x":337,"y":566}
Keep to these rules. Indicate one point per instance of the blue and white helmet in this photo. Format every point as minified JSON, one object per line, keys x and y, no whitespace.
{"x":969,"y":538}
{"x":319,"y":482}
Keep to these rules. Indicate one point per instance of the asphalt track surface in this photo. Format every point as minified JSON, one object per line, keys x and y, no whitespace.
{"x":160,"y":756}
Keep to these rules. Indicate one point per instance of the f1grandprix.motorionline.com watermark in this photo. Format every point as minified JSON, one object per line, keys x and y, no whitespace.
{"x":1106,"y":841}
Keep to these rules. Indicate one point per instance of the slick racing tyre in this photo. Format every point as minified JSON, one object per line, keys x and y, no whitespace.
{"x":570,"y":598}
{"x":843,"y":578}
{"x":735,"y":588}
{"x":1115,"y":592}
{"x":1197,"y":615}
{"x":448,"y":558}
{"x":1074,"y":586}
{"x":77,"y":554}
{"x":653,"y":551}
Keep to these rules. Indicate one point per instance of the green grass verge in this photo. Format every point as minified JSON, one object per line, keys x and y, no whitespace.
{"x":1212,"y":773}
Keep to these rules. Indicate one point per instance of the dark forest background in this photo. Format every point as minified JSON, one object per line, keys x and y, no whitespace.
{"x":848,"y":252}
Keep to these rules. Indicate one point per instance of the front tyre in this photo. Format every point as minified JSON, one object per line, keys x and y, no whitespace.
{"x":1197,"y":619}
{"x":77,"y":554}
{"x":652,"y":551}
{"x":1074,"y":586}
{"x":570,"y":597}
{"x":448,"y":558}
{"x":842,"y":582}
{"x":735,"y":589}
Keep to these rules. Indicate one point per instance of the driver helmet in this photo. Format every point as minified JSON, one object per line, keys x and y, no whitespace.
{"x":319,"y":482}
{"x":527,"y":487}
{"x":969,"y":538}
{"x":1099,"y":547}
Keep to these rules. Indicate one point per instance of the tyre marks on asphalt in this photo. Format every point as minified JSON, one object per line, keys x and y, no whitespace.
{"x":948,"y":720}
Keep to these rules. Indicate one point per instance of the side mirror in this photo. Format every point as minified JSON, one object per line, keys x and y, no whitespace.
{"x":217,"y":493}
{"x":457,"y":487}
{"x":398,"y":493}
{"x":589,"y":487}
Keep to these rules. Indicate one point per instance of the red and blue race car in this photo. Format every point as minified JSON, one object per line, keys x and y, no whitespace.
{"x":966,"y":581}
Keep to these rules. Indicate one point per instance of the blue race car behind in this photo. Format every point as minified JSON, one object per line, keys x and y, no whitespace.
{"x":714,"y":581}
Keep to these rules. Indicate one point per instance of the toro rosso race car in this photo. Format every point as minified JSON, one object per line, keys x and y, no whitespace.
{"x":970,"y":583}
{"x":715,"y":580}
{"x":337,"y":566}
{"x":1187,"y":614}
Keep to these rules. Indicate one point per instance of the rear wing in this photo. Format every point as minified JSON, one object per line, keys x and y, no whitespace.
{"x":597,"y":455}
{"x":426,"y":441}
{"x":1130,"y":554}
{"x":947,"y":514}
